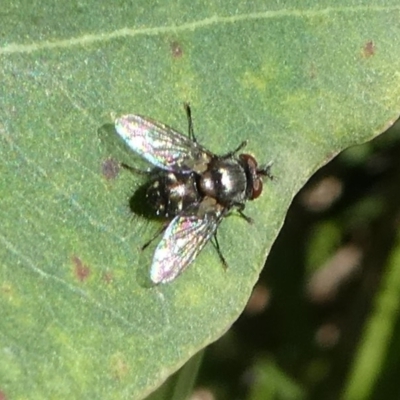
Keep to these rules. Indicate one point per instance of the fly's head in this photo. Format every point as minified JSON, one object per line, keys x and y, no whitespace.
{"x":254,"y":176}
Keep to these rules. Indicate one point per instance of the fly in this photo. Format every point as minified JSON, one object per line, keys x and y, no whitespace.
{"x":192,"y":187}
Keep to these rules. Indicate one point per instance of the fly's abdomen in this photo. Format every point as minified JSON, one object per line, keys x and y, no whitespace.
{"x":171,"y":193}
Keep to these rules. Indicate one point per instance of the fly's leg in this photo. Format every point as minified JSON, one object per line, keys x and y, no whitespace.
{"x":239,"y":209}
{"x":135,"y":170}
{"x":216,"y":246}
{"x":158,"y":233}
{"x":245,"y":217}
{"x":232,"y":153}
{"x":190,"y":123}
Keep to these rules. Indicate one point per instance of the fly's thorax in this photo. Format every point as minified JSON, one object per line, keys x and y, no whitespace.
{"x":170,"y":193}
{"x":225,"y":180}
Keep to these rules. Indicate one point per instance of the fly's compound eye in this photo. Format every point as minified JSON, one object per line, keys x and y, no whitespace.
{"x":257,"y":188}
{"x":249,"y":160}
{"x":255,"y":181}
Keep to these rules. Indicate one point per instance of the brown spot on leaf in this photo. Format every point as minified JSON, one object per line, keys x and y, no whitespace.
{"x":119,"y":367}
{"x":176,"y":49}
{"x":110,"y":168}
{"x":369,"y":49}
{"x":82,"y":271}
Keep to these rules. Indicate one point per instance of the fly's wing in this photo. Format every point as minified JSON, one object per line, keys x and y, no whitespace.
{"x":184,"y":238}
{"x":161,"y":145}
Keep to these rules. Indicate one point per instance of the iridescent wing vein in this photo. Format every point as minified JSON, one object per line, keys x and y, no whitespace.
{"x":184,"y":238}
{"x":161,"y":145}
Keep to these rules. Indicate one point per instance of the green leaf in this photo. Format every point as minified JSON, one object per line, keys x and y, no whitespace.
{"x":301,"y":83}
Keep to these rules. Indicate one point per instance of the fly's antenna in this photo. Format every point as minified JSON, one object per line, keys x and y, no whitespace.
{"x":266,"y":171}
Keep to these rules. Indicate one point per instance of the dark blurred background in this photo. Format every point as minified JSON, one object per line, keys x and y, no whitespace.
{"x":323,"y":320}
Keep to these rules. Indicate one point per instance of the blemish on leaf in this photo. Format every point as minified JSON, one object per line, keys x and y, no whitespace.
{"x":82,"y":271}
{"x":253,"y":80}
{"x":176,"y":49}
{"x":5,"y":288}
{"x":119,"y":367}
{"x":7,"y":292}
{"x":2,"y":395}
{"x":107,"y":277}
{"x":369,"y":49}
{"x":313,"y":71}
{"x":110,"y":168}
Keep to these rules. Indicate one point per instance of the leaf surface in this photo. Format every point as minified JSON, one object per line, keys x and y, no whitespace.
{"x":299,"y":82}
